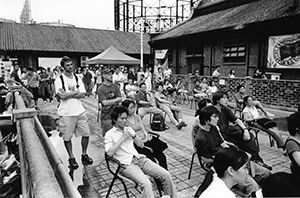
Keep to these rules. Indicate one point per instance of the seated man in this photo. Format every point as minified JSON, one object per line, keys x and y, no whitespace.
{"x":209,"y":141}
{"x":144,"y":103}
{"x":239,"y":97}
{"x":237,"y":134}
{"x":167,"y":107}
{"x":119,"y":144}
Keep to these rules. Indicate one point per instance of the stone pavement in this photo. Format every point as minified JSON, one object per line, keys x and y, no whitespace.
{"x":97,"y":178}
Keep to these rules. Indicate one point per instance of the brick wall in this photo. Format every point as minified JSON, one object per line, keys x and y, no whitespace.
{"x":282,"y":94}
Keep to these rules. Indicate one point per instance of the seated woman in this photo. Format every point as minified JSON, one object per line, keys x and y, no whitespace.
{"x":119,"y":144}
{"x":231,"y":168}
{"x":198,"y":91}
{"x":212,"y":88}
{"x":251,"y":116}
{"x":153,"y":147}
{"x":183,"y":93}
{"x":293,"y":142}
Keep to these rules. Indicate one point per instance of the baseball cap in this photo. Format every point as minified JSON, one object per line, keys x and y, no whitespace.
{"x":107,"y":71}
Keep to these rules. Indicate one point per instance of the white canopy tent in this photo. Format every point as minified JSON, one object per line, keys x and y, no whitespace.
{"x":114,"y":57}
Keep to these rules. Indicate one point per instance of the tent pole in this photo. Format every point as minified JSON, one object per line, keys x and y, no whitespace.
{"x":142,"y":53}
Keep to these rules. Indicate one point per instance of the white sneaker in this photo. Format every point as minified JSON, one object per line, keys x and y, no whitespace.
{"x":269,"y":114}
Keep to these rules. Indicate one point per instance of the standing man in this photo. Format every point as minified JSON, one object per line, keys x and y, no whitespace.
{"x":87,"y":81}
{"x":217,"y":73}
{"x":44,"y":85}
{"x":33,"y":81}
{"x":109,"y":95}
{"x":15,"y":75}
{"x":72,"y":117}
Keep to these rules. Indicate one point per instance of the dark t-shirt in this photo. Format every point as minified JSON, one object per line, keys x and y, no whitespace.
{"x":208,"y":143}
{"x":43,"y":76}
{"x":292,"y":146}
{"x":16,"y":77}
{"x":108,"y":93}
{"x":225,"y":116}
{"x":142,"y":96}
{"x":238,"y":97}
{"x":87,"y":78}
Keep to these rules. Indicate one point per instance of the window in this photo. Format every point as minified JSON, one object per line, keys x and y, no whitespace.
{"x":234,"y":53}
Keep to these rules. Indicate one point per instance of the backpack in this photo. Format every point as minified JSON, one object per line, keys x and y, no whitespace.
{"x":157,"y":122}
{"x":64,"y":88}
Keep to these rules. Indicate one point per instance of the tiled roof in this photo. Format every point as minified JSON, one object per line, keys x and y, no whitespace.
{"x":16,"y":36}
{"x":256,"y":11}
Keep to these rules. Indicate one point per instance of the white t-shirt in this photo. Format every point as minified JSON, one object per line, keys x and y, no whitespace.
{"x":119,"y":77}
{"x":252,"y":112}
{"x":217,"y":189}
{"x":71,"y":106}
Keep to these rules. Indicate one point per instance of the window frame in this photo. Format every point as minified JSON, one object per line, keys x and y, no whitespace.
{"x":234,"y":52}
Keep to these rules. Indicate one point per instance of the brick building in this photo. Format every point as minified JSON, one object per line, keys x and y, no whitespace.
{"x":236,"y":34}
{"x":28,"y":42}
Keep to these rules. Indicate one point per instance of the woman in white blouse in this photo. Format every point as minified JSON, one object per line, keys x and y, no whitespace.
{"x":253,"y":118}
{"x":230,"y":168}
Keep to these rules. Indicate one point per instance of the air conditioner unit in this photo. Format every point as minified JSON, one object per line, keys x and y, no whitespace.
{"x":83,"y":60}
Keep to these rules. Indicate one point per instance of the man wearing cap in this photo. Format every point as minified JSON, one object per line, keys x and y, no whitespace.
{"x":109,"y":96}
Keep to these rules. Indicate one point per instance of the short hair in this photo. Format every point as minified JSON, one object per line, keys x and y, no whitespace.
{"x":218,"y":66}
{"x":226,"y":157}
{"x":127,"y":102}
{"x":65,"y":59}
{"x":116,"y":112}
{"x":206,"y":113}
{"x":201,"y":104}
{"x":239,"y":87}
{"x":293,"y":123}
{"x":29,"y":69}
{"x":281,"y":184}
{"x":142,"y":84}
{"x":217,"y":97}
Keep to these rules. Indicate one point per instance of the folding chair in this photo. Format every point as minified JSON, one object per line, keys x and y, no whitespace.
{"x":114,"y":166}
{"x":205,"y":163}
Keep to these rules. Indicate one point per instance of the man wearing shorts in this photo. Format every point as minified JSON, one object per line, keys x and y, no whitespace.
{"x":109,"y":95}
{"x":72,"y":117}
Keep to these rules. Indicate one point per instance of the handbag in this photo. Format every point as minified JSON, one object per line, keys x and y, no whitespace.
{"x":156,"y":144}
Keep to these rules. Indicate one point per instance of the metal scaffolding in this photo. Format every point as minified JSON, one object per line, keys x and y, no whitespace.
{"x":152,"y":16}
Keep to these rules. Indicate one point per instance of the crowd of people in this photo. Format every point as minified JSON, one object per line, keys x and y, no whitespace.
{"x":125,"y":97}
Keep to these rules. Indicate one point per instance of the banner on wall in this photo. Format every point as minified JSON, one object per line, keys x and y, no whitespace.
{"x":284,"y":52}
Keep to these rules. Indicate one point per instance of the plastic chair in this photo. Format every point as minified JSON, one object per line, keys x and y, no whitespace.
{"x":114,"y":167}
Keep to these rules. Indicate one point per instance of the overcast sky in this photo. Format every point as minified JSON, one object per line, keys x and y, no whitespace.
{"x":97,"y":14}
